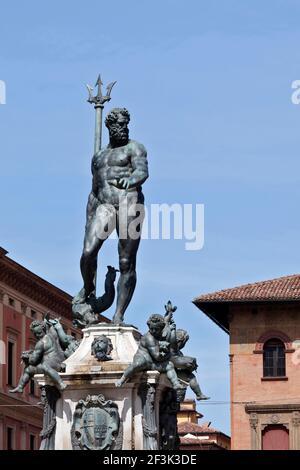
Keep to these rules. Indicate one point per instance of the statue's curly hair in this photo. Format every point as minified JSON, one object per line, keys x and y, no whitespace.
{"x":156,"y":320}
{"x":36,"y":323}
{"x":182,"y":335}
{"x":112,"y":116}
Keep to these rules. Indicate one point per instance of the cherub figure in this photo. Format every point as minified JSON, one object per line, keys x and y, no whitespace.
{"x":184,"y":365}
{"x":153,"y":354}
{"x":52,"y":348}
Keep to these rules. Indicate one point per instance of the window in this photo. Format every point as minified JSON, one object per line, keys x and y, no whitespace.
{"x":33,"y":313}
{"x":9,"y":438}
{"x":32,"y":440}
{"x":11,"y":302}
{"x":10,"y":363}
{"x":274,"y":358}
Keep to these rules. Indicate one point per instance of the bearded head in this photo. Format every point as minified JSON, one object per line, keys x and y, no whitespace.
{"x":117,"y":123}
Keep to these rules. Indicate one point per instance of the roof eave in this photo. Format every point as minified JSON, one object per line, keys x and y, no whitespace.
{"x":210,"y":307}
{"x":221,"y":324}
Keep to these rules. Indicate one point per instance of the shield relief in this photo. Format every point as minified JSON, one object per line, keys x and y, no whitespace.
{"x":96,"y":424}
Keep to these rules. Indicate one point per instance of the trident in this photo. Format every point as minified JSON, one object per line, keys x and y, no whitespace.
{"x":98,"y":102}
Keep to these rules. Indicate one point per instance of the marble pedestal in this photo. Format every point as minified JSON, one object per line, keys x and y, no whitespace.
{"x":138,"y":401}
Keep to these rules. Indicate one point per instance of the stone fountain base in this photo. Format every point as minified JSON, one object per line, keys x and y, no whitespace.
{"x":92,"y":412}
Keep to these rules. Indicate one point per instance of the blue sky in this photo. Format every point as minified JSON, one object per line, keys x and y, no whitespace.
{"x":208,"y":86}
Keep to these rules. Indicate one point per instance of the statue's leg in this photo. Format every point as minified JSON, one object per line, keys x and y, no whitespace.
{"x":131,"y":370}
{"x":172,"y":376}
{"x":25,"y":377}
{"x":53,"y":374}
{"x":127,"y":248}
{"x":196,"y":388}
{"x":96,"y":232}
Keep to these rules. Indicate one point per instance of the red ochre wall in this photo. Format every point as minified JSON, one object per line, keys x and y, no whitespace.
{"x":247,"y":325}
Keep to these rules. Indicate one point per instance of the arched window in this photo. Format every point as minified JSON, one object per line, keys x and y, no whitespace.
{"x":274,"y":358}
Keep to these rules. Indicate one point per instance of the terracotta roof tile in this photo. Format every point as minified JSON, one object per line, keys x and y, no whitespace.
{"x":197,"y":442}
{"x":282,"y":288}
{"x":192,"y":428}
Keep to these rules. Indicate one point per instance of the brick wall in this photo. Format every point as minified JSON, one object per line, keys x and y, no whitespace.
{"x":247,"y":325}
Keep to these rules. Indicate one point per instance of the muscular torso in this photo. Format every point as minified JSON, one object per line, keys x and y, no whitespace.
{"x":53,"y":353}
{"x":149,"y":345}
{"x":112,"y":164}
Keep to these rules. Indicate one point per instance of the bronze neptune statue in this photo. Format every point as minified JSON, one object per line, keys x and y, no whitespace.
{"x":115,"y":202}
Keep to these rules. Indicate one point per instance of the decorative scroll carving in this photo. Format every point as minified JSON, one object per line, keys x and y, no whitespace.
{"x":253,"y":420}
{"x":49,"y":397}
{"x":169,"y":407}
{"x":296,"y":418}
{"x":274,"y":419}
{"x":147,"y":393}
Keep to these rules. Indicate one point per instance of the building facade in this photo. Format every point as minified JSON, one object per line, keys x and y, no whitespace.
{"x":263,"y":323}
{"x":24,"y":297}
{"x":198,"y":436}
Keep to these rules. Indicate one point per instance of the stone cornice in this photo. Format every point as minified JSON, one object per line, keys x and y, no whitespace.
{"x":272,"y":408}
{"x":34,"y":287}
{"x":28,"y":412}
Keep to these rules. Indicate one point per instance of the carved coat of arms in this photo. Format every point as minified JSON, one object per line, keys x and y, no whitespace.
{"x":96,"y":424}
